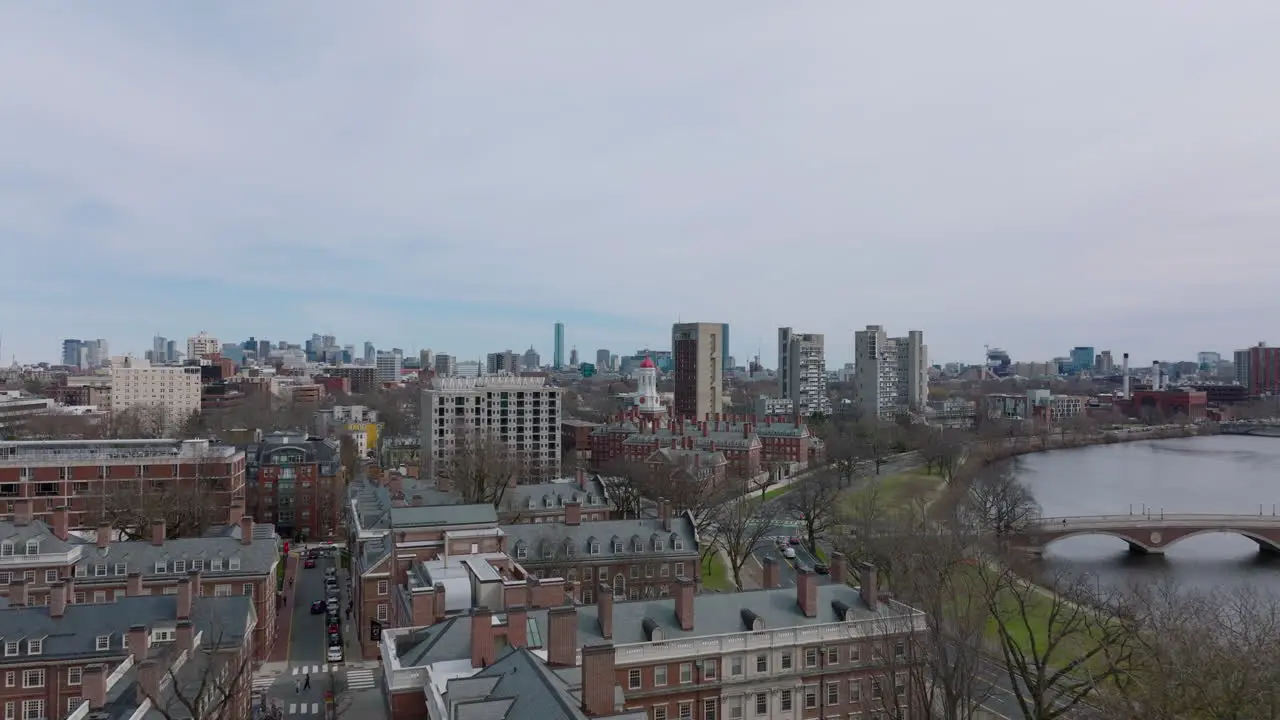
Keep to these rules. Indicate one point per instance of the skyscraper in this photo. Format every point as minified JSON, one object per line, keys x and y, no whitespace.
{"x":370,"y":353}
{"x":389,"y":364}
{"x":697,"y":352}
{"x":573,"y":357}
{"x":602,"y":360}
{"x":891,"y":375}
{"x":71,"y":352}
{"x":558,"y":354}
{"x":802,"y":371}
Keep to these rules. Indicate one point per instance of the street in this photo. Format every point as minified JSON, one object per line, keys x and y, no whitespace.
{"x":308,"y":684}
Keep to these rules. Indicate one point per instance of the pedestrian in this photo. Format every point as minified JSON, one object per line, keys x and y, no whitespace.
{"x":307,"y":685}
{"x":297,"y":686}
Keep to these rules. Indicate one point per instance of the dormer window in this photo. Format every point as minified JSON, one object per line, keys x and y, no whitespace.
{"x":233,"y":563}
{"x":677,"y":543}
{"x":568,"y":548}
{"x":595,"y":547}
{"x":521,"y":551}
{"x":161,"y":566}
{"x":532,"y":504}
{"x":197,"y":565}
{"x":82,"y":570}
{"x":548,"y":551}
{"x":35,"y":647}
{"x":103,"y":642}
{"x":33,"y":547}
{"x":122,"y":569}
{"x":658,"y":545}
{"x":6,"y":549}
{"x":617,"y":546}
{"x":10,"y":648}
{"x":179,"y":566}
{"x":591,"y":500}
{"x":637,"y":546}
{"x":215,"y":564}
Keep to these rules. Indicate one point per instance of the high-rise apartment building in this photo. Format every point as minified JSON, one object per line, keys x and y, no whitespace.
{"x":502,"y":362}
{"x":1104,"y":364}
{"x":891,"y":374}
{"x":531,"y":360}
{"x":522,"y":412}
{"x":172,"y":391}
{"x":390,"y":363}
{"x":71,"y":352}
{"x":426,"y":359}
{"x":558,"y":356}
{"x":573,"y":357}
{"x":602,"y":360}
{"x":802,"y":371}
{"x":159,"y":350}
{"x":1258,"y":369}
{"x":446,"y":365}
{"x":202,"y":345}
{"x":370,"y":353}
{"x":697,"y":351}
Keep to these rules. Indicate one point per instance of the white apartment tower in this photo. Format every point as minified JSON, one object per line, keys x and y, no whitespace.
{"x":172,"y":391}
{"x":390,"y":363}
{"x":891,"y":374}
{"x":202,"y":345}
{"x":522,"y":412}
{"x":802,"y":371}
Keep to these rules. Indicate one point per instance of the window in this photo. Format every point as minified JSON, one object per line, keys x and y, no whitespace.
{"x":877,"y":690}
{"x":233,"y":563}
{"x":709,"y":669}
{"x":900,"y":684}
{"x":82,"y":570}
{"x":32,"y":709}
{"x":633,"y":679}
{"x":6,"y":549}
{"x":900,"y":649}
{"x":833,"y":693}
{"x":10,"y":679}
{"x":679,"y":569}
{"x":586,"y":573}
{"x":8,"y":711}
{"x":161,"y":566}
{"x":735,"y":666}
{"x":595,"y":550}
{"x":677,"y":544}
{"x":4,"y":577}
{"x":855,"y":691}
{"x":247,"y":589}
{"x":163,"y":635}
{"x":33,"y":678}
{"x":33,"y":547}
{"x":735,"y":709}
{"x":810,"y":697}
{"x":855,"y":654}
{"x":222,"y":591}
{"x":122,"y":569}
{"x":179,"y":566}
{"x":686,"y":673}
{"x":762,"y":663}
{"x":382,"y":612}
{"x":197,"y":565}
{"x":785,"y":660}
{"x":617,"y":546}
{"x":75,"y":675}
{"x":833,"y":655}
{"x":11,"y":648}
{"x":664,"y":570}
{"x":784,"y":701}
{"x":215,"y":564}
{"x":686,"y":711}
{"x":78,"y":598}
{"x":51,"y":576}
{"x":659,"y":712}
{"x":103,"y":642}
{"x":811,"y":657}
{"x":659,"y":675}
{"x":521,"y":552}
{"x":709,"y":709}
{"x":172,"y":590}
{"x":762,"y":703}
{"x":99,"y":596}
{"x":635,"y":572}
{"x":73,"y":703}
{"x":35,"y":647}
{"x":658,"y":545}
{"x":383,"y":586}
{"x":29,"y":576}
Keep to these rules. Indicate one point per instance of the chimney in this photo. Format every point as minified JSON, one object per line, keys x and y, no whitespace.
{"x":61,"y":522}
{"x":599,"y":681}
{"x":138,"y":642}
{"x":149,"y":674}
{"x":157,"y":532}
{"x":573,"y":513}
{"x":482,"y":650}
{"x":704,"y":430}
{"x":22,"y":512}
{"x":133,"y":585}
{"x":1124,"y":369}
{"x":104,"y":536}
{"x":1155,"y":375}
{"x":186,"y":635}
{"x":839,"y":568}
{"x":665,"y":513}
{"x":807,"y":592}
{"x":517,"y":626}
{"x":70,"y":583}
{"x":93,"y":683}
{"x":58,"y":600}
{"x":236,"y":512}
{"x":18,"y":592}
{"x":246,"y":530}
{"x":604,"y":610}
{"x":746,"y":430}
{"x":439,"y":606}
{"x":684,"y":603}
{"x":562,"y":636}
{"x":868,"y":591}
{"x":770,"y":572}
{"x":187,"y":592}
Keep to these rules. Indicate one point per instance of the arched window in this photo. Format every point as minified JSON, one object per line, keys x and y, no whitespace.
{"x":619,"y":587}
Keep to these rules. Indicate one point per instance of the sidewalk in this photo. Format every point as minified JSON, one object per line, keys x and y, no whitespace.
{"x":284,"y":613}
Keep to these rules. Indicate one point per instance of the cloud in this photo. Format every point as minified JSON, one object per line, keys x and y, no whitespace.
{"x":461,"y":175}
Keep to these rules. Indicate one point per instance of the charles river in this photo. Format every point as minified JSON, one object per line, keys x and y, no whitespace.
{"x":1212,"y":474}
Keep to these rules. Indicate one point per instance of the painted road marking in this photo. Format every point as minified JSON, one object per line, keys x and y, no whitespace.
{"x":361,"y":679}
{"x":312,"y":669}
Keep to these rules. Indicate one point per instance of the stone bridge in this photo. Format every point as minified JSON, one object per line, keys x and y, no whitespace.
{"x":1267,"y":428}
{"x":1149,"y":533}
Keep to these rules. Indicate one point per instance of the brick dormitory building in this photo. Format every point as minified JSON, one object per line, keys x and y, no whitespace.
{"x":297,"y":483}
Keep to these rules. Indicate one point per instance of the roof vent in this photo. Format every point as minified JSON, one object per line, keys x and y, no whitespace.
{"x":651,"y":629}
{"x":751,"y":620}
{"x":842,"y":609}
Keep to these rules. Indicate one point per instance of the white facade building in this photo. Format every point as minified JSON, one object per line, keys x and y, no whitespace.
{"x":522,"y":412}
{"x":891,"y":374}
{"x":174,"y":391}
{"x":202,"y":345}
{"x":390,"y":364}
{"x":802,"y":371}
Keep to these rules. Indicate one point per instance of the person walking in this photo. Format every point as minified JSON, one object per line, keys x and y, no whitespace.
{"x":306,"y":685}
{"x":297,"y":686}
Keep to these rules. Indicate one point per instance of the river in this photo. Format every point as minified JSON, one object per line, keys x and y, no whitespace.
{"x":1211,"y":474}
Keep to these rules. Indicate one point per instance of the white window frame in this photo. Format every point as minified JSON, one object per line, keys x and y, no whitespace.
{"x":381,"y":613}
{"x":33,"y":709}
{"x":11,"y":648}
{"x":233,"y":563}
{"x":50,"y":576}
{"x":634,"y":679}
{"x":384,"y":586}
{"x":660,"y":675}
{"x":686,"y":673}
{"x":75,"y":675}
{"x":102,"y":642}
{"x":33,"y":678}
{"x":35,"y":646}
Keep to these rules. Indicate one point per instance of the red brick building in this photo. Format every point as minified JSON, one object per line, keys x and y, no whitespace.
{"x":748,"y":446}
{"x":1258,"y":369}
{"x":297,"y":483}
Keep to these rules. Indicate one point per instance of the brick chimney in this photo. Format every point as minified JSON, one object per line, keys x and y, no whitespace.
{"x":133,"y":585}
{"x":149,"y":674}
{"x":246,"y":530}
{"x":807,"y":592}
{"x":665,"y":509}
{"x":839,"y":568}
{"x":236,"y":512}
{"x":673,"y":443}
{"x":599,"y":681}
{"x":684,"y":603}
{"x":18,"y":592}
{"x":187,"y":591}
{"x":573,"y":513}
{"x":482,"y":646}
{"x":70,"y":583}
{"x":439,"y":606}
{"x":581,"y":477}
{"x":93,"y":685}
{"x":138,"y":642}
{"x":157,"y":532}
{"x":604,"y":610}
{"x":186,"y":635}
{"x":517,"y":626}
{"x":867,"y":589}
{"x":58,"y":600}
{"x":562,"y":636}
{"x":104,"y":536}
{"x":770,"y":572}
{"x":61,"y":522}
{"x":22,"y":513}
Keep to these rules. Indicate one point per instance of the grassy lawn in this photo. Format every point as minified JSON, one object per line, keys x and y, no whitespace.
{"x":899,"y":490}
{"x":715,"y":575}
{"x":775,"y":492}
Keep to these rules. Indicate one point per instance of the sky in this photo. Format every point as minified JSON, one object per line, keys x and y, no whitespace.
{"x":461,"y":176}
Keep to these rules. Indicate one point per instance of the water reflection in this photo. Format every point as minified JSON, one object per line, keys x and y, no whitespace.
{"x":1224,"y":474}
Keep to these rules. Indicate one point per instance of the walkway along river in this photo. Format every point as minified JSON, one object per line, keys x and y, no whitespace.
{"x":1208,"y":474}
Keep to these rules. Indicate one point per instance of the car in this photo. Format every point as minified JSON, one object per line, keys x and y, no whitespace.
{"x":331,"y":604}
{"x":795,"y":540}
{"x":333,"y":627}
{"x":331,"y":572}
{"x":331,"y":593}
{"x":317,"y":607}
{"x":789,"y":553}
{"x":334,"y":639}
{"x":821,"y":568}
{"x":334,"y":654}
{"x":309,"y":563}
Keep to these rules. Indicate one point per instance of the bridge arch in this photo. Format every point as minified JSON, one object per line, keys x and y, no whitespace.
{"x":1131,"y":538}
{"x":1264,"y":543}
{"x":1134,"y":545}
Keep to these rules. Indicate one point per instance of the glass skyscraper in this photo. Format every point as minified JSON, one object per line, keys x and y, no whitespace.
{"x":558,"y":359}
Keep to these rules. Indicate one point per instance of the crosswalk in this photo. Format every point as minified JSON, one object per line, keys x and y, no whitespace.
{"x":302,"y":709}
{"x":264,"y":682}
{"x":311,"y":669}
{"x":360,"y":679}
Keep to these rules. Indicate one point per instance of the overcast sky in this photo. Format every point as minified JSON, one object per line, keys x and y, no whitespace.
{"x":461,"y":175}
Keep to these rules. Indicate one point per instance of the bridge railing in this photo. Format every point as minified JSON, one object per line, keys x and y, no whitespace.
{"x":1155,"y":516}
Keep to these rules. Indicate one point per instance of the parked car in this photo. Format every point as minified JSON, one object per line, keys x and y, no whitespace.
{"x":310,"y":562}
{"x":317,"y":607}
{"x":332,"y":604}
{"x":795,"y":539}
{"x":333,"y":627}
{"x":789,"y":552}
{"x":334,"y":639}
{"x":334,"y":655}
{"x":331,"y":593}
{"x":331,"y":572}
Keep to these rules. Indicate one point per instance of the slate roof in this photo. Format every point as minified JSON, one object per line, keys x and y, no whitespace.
{"x":551,"y":495}
{"x":517,"y":686}
{"x":443,"y":515}
{"x":537,"y":538}
{"x":19,"y":535}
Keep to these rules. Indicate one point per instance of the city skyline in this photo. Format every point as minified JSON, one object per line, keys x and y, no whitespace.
{"x":184,"y":156}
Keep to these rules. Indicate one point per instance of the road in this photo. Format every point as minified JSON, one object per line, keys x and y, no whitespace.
{"x":999,"y":697}
{"x":306,"y":661}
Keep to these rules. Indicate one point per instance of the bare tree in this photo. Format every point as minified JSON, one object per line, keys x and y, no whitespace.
{"x":941,"y":449}
{"x":814,"y":501}
{"x":686,"y":493}
{"x":138,"y":422}
{"x":1059,"y":646}
{"x":209,"y":681}
{"x":187,"y":508}
{"x":740,"y":526}
{"x":348,"y":453}
{"x":844,"y":451}
{"x":60,"y":426}
{"x":998,"y":503}
{"x":481,"y":466}
{"x":623,"y":485}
